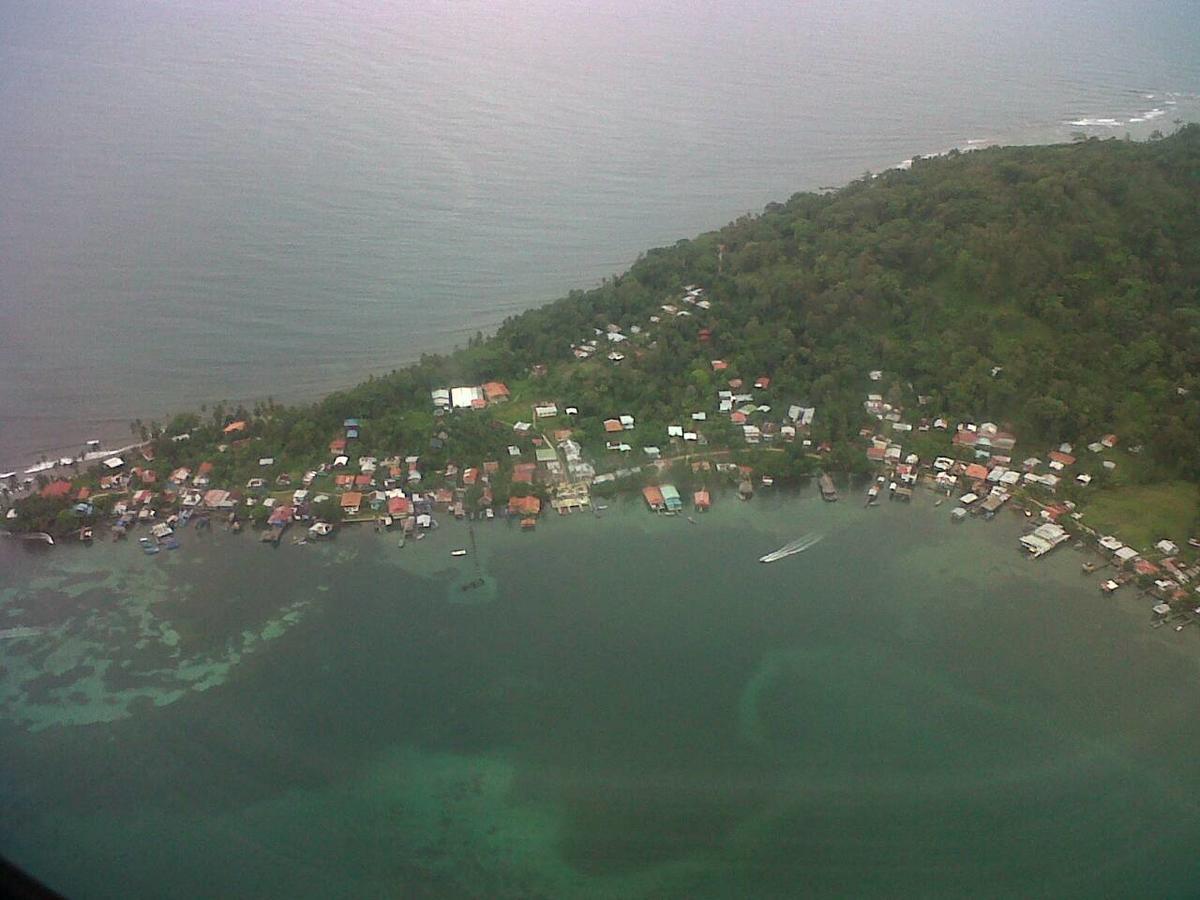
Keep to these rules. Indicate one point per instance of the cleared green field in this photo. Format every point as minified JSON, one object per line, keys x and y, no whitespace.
{"x":1142,"y":514}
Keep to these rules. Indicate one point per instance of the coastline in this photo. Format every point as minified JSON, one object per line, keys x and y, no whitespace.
{"x":68,"y":436}
{"x":426,"y":437}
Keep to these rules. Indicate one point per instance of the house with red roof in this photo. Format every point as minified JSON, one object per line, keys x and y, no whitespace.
{"x":56,"y":490}
{"x":495,"y":391}
{"x":524,"y":506}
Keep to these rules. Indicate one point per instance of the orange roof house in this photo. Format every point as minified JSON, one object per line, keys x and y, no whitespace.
{"x":1144,"y":567}
{"x":495,"y":391}
{"x":57,"y":490}
{"x":234,"y":427}
{"x":719,"y":365}
{"x":351,"y":501}
{"x":524,"y":506}
{"x":612,"y":425}
{"x":1065,"y":458}
{"x":976,"y":472}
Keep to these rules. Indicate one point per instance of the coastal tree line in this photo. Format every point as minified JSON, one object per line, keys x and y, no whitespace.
{"x":1053,"y":289}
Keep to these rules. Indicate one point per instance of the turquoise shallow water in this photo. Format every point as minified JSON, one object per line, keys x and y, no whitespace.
{"x":639,"y":709}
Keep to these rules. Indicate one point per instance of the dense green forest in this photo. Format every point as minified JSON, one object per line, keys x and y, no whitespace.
{"x":1051,"y":289}
{"x":1074,"y":268}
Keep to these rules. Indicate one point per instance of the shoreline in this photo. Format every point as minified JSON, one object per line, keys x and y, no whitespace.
{"x":1047,"y":134}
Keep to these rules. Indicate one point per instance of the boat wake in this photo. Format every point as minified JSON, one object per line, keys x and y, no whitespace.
{"x":792,"y":547}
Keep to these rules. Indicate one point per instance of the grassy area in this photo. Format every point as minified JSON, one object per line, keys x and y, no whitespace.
{"x":1141,"y":515}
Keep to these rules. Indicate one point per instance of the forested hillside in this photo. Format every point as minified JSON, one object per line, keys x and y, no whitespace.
{"x":1073,"y":268}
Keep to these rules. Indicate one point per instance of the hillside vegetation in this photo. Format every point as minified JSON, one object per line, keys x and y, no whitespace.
{"x":1052,"y":290}
{"x":1074,"y":268}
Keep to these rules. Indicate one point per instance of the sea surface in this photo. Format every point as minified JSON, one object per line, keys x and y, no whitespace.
{"x":630,"y":706}
{"x":222,"y":200}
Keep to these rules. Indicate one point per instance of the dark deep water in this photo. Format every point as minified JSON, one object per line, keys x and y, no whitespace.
{"x":638,"y":709}
{"x":225,"y":200}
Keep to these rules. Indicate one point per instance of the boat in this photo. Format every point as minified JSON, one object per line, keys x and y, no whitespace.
{"x":791,"y":548}
{"x":1194,"y":542}
{"x":86,"y":535}
{"x":20,"y":631}
{"x":38,"y":537}
{"x":458,"y":552}
{"x":939,"y":501}
{"x":320,"y":530}
{"x":828,"y":491}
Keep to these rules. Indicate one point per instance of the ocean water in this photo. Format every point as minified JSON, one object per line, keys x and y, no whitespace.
{"x":224,"y":200}
{"x":634,"y":707}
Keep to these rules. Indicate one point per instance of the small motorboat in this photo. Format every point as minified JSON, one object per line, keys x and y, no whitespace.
{"x":459,"y":552}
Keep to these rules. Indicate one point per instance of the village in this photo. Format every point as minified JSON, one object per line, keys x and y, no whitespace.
{"x":560,"y":456}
